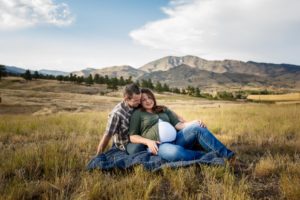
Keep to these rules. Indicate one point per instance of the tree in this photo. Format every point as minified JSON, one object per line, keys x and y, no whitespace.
{"x":60,"y":78}
{"x":150,"y":84}
{"x":66,"y":78}
{"x":197,"y":92}
{"x":144,"y":83}
{"x":176,"y":90}
{"x":36,"y":75}
{"x":106,"y":79}
{"x":138,"y":83}
{"x":129,"y":80}
{"x":122,"y":81}
{"x":2,"y":71}
{"x":73,"y":78}
{"x":97,"y":78}
{"x":158,"y":87}
{"x":80,"y":79}
{"x":166,"y":88}
{"x":27,"y":75}
{"x":89,"y":80}
{"x":113,"y":84}
{"x":225,"y":95}
{"x":190,"y":90}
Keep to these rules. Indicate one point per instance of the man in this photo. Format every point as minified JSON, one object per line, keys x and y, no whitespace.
{"x":118,"y":121}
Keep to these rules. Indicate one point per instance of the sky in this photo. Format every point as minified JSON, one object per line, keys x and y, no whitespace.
{"x":70,"y":35}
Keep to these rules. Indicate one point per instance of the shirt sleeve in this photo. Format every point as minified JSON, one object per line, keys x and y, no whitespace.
{"x":112,"y":124}
{"x":135,"y":123}
{"x":173,"y":118}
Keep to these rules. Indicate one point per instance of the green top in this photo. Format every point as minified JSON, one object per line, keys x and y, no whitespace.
{"x":146,"y":124}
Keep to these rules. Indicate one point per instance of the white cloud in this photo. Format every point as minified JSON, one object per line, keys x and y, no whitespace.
{"x":17,"y":14}
{"x":261,"y":30}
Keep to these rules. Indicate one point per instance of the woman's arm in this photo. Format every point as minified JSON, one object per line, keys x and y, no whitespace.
{"x":152,"y":145}
{"x":182,"y":122}
{"x":178,"y":116}
{"x":182,"y":125}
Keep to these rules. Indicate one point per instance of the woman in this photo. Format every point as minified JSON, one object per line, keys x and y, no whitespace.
{"x":156,"y":127}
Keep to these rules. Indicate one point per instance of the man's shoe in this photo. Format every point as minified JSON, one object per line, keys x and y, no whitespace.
{"x":238,"y":166}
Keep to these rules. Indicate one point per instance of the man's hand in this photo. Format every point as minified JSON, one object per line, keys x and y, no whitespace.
{"x":103,"y":143}
{"x":152,"y":145}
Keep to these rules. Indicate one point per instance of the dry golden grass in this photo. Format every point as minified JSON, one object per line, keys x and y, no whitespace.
{"x":279,"y":97}
{"x":44,"y":154}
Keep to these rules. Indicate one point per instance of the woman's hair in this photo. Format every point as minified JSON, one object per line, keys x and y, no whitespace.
{"x":156,"y":108}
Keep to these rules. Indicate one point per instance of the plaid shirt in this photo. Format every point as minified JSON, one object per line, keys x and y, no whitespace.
{"x":118,"y":124}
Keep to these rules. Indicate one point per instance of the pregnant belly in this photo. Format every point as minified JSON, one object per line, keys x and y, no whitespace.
{"x":167,"y":132}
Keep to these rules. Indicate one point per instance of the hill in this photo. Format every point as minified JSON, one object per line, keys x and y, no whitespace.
{"x":229,"y":66}
{"x":192,"y":70}
{"x":18,"y":70}
{"x":114,"y":71}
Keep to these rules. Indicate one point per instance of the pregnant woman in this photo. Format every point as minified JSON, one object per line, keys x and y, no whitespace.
{"x":159,"y":129}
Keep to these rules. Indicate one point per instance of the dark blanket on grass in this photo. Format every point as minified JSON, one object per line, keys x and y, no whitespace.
{"x":116,"y":159}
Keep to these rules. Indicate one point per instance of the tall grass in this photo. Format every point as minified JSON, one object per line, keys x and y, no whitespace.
{"x":278,"y":97}
{"x":44,"y":157}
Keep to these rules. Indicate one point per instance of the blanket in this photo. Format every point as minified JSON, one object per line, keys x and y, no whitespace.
{"x":117,"y":159}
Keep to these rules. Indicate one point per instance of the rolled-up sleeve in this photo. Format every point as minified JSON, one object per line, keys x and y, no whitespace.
{"x":173,"y":118}
{"x":112,"y":124}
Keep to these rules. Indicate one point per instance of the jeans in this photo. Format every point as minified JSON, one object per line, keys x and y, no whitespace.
{"x":132,"y":148}
{"x":186,"y":139}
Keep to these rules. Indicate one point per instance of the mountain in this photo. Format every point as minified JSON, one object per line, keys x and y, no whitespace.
{"x":114,"y":71}
{"x":192,"y":70}
{"x":229,"y":66}
{"x":14,"y":70}
{"x":184,"y":75}
{"x":85,"y":72}
{"x":53,"y":72}
{"x":18,"y":71}
{"x":166,"y":63}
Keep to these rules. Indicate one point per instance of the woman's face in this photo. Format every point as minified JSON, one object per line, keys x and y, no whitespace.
{"x":147,"y":102}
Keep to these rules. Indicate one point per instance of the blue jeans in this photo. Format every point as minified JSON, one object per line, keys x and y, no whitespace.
{"x":132,"y":148}
{"x":186,"y":139}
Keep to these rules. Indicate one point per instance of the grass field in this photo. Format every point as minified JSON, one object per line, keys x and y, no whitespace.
{"x":294,"y":97}
{"x":44,"y":154}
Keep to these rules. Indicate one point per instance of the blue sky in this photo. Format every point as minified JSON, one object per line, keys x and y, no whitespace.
{"x":70,"y":35}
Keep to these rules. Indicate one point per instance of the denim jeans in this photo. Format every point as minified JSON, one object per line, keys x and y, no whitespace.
{"x":132,"y":148}
{"x":186,"y":139}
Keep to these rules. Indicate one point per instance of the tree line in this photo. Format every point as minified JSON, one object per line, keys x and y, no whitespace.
{"x":2,"y":71}
{"x":113,"y":83}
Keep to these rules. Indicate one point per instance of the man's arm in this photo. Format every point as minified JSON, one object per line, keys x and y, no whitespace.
{"x":111,"y":127}
{"x":103,"y":143}
{"x":137,"y":139}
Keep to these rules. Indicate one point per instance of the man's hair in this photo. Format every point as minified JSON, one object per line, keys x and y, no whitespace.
{"x":130,"y":90}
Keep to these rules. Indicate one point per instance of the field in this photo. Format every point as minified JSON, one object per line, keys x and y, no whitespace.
{"x":49,"y":131}
{"x":279,"y":99}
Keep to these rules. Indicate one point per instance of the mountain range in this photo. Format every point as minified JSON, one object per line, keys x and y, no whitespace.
{"x":192,"y":70}
{"x":18,"y":70}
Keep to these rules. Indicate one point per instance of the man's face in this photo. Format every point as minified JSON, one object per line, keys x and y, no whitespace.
{"x":134,"y":101}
